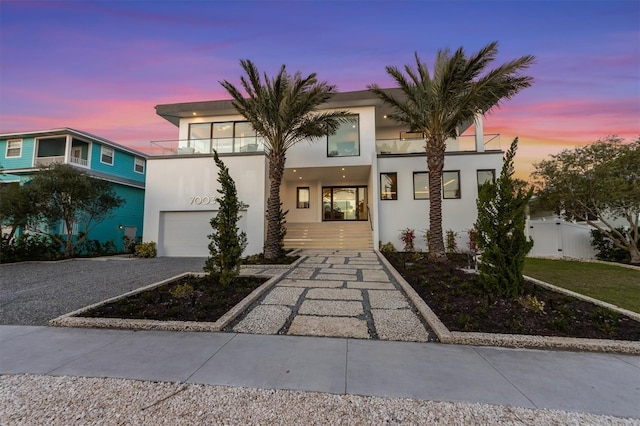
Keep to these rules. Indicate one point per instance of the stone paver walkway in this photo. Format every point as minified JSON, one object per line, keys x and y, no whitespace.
{"x":335,"y":293}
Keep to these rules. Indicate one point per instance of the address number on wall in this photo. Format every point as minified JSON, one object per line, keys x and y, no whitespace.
{"x":202,"y":200}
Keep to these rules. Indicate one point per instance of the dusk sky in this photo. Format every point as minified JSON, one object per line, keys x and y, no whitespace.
{"x":102,"y":66}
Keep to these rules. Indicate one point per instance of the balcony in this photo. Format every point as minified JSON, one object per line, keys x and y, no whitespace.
{"x":465,"y":143}
{"x":47,"y":161}
{"x":207,"y":146}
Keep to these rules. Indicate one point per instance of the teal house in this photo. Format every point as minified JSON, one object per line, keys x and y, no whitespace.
{"x":23,"y":154}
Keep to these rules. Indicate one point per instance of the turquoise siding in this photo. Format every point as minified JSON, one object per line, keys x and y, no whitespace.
{"x":23,"y":162}
{"x":122,"y":164}
{"x":131,"y":213}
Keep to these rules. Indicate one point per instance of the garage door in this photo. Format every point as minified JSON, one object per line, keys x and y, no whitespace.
{"x":184,"y":234}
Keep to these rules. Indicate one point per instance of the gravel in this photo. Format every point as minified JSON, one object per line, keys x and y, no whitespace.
{"x":42,"y":400}
{"x":31,"y":293}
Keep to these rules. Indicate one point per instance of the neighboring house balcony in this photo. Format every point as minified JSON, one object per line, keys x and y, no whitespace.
{"x":412,"y":143}
{"x":238,"y":145}
{"x":61,"y":150}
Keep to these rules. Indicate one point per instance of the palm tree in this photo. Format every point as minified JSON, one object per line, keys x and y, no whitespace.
{"x":439,"y":105}
{"x":283,"y":111}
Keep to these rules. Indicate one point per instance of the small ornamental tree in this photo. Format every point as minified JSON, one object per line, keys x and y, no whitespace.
{"x":227,"y":242}
{"x":598,"y":184}
{"x":63,"y":193}
{"x":500,"y":231}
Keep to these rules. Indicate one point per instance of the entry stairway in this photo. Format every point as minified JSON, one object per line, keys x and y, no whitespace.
{"x":334,"y":235}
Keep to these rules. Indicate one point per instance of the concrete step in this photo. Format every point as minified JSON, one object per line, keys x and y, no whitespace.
{"x":352,"y":235}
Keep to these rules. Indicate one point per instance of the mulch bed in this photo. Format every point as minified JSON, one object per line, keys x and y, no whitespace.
{"x":187,"y":299}
{"x":463,"y":305}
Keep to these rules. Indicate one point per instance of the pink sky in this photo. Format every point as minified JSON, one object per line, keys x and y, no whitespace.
{"x":101,"y":67}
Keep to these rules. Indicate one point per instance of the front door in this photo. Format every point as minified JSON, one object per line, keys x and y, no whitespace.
{"x":344,"y":203}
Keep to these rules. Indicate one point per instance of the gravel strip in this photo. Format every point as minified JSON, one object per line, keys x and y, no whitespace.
{"x":264,"y":319}
{"x":32,"y":293}
{"x":42,"y":400}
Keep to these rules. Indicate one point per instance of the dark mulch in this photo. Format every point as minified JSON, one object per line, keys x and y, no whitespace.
{"x":259,"y":259}
{"x":463,"y":305}
{"x":187,"y":299}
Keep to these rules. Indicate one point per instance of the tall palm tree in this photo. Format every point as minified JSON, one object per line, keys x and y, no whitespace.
{"x":283,"y":111}
{"x":438,"y":105}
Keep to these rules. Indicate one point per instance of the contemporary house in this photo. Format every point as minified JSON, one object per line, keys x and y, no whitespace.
{"x":23,"y":154}
{"x":353,"y":189}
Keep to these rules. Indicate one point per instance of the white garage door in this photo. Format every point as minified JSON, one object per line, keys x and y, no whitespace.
{"x":185,"y":233}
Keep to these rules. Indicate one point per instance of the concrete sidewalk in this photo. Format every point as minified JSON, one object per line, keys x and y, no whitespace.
{"x":584,"y":382}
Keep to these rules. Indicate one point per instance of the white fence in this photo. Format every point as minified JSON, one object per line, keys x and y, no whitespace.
{"x":558,"y":238}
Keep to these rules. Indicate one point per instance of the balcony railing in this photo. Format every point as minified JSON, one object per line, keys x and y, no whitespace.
{"x":47,"y":161}
{"x":79,"y":161}
{"x":465,"y":143}
{"x":207,"y":146}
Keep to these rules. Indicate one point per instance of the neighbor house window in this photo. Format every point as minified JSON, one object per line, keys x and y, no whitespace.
{"x":420,"y":185}
{"x":485,"y":176}
{"x":106,"y":155}
{"x":138,"y":165}
{"x":302,"y":199}
{"x":14,"y":148}
{"x":451,"y":184}
{"x":345,"y":142}
{"x":388,"y":186}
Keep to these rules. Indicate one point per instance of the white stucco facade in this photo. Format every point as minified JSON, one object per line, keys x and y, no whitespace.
{"x":180,"y":201}
{"x":176,"y":214}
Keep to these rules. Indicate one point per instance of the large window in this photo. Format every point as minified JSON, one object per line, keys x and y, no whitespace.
{"x":388,"y":186}
{"x":420,"y":185}
{"x":228,"y":136}
{"x":14,"y":148}
{"x":451,"y":184}
{"x":346,"y":141}
{"x":302,"y":197}
{"x":485,"y":176}
{"x":106,"y":155}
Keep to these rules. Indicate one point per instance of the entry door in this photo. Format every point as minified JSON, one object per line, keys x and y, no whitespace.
{"x":344,"y":203}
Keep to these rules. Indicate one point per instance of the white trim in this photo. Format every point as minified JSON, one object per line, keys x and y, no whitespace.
{"x":9,"y":141}
{"x":136,"y":161}
{"x":102,"y":153}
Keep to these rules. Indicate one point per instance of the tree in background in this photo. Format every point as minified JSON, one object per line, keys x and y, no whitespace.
{"x":283,"y":111}
{"x":598,"y":184}
{"x":15,"y":207}
{"x":439,"y":105}
{"x":501,"y":231}
{"x":62,"y":193}
{"x":227,"y":241}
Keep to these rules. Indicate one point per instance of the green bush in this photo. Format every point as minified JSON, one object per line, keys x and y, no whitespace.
{"x":27,"y":247}
{"x":146,"y":250}
{"x":451,"y":243}
{"x":605,"y":248}
{"x":387,"y":247}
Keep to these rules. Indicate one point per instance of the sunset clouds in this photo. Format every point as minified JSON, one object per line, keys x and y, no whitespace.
{"x":102,"y":66}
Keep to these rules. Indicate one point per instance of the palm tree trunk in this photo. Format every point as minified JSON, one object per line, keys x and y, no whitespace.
{"x":273,"y":243}
{"x":435,"y":163}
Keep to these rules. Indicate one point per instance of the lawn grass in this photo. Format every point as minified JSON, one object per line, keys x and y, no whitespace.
{"x":609,"y":283}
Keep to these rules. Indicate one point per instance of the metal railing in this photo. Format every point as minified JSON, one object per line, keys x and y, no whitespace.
{"x":465,"y":143}
{"x":207,"y":146}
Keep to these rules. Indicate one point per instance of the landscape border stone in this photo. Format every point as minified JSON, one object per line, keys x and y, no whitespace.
{"x":72,"y":319}
{"x":516,"y":340}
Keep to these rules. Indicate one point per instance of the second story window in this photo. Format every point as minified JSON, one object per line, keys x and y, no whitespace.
{"x":388,"y":186}
{"x":346,"y":141}
{"x":14,"y":148}
{"x":224,"y":137}
{"x":138,"y":165}
{"x":106,"y":155}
